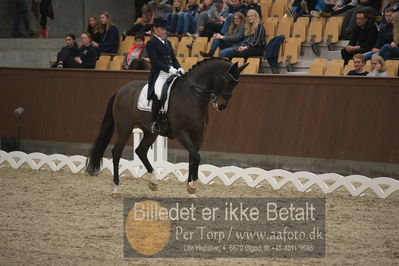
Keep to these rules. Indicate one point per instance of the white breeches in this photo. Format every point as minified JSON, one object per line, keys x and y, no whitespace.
{"x":162,"y":77}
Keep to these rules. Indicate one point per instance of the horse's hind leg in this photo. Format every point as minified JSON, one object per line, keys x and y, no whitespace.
{"x":141,"y":151}
{"x":123,"y":136}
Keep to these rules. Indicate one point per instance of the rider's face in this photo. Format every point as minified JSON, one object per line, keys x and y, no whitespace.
{"x":159,"y":31}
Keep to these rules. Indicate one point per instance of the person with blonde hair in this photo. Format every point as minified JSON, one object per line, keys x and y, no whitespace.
{"x":377,"y":67}
{"x":231,"y":41}
{"x":254,"y":42}
{"x":359,"y":60}
{"x":109,"y":35}
{"x":391,"y":50}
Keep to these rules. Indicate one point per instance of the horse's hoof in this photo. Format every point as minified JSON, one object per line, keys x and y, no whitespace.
{"x":152,"y":186}
{"x":191,"y":189}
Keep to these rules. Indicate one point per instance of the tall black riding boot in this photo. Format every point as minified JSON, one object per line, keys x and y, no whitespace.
{"x":156,"y":106}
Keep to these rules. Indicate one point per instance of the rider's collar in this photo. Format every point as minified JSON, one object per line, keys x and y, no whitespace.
{"x":159,"y":38}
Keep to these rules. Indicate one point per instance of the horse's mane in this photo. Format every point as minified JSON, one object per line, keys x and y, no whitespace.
{"x":207,"y":60}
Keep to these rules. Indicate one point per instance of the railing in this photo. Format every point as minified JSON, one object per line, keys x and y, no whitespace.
{"x":356,"y":185}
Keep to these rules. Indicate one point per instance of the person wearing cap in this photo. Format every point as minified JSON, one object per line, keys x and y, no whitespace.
{"x":163,"y":65}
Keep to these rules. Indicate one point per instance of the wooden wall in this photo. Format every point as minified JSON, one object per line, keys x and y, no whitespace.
{"x":349,"y":118}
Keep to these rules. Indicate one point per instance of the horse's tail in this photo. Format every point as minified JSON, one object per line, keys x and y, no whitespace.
{"x":93,"y":163}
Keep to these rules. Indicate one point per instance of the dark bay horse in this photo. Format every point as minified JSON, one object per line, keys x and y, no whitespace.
{"x":209,"y":80}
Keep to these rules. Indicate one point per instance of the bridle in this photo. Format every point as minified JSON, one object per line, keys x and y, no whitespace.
{"x":212,"y":94}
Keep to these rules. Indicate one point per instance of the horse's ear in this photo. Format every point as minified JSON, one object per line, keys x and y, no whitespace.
{"x":241,"y":68}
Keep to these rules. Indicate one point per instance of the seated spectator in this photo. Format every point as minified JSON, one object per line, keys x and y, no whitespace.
{"x":377,"y":67}
{"x":161,"y":8}
{"x":358,"y":61}
{"x":87,"y":54}
{"x":173,"y":17}
{"x":22,"y":10}
{"x":254,"y":42}
{"x":186,"y":22}
{"x":93,"y":30}
{"x":384,"y":35}
{"x":369,"y":7}
{"x":234,"y":6}
{"x":68,"y":52}
{"x":137,"y":58}
{"x":250,"y":4}
{"x":391,"y":4}
{"x":203,"y":15}
{"x":109,"y":35}
{"x":389,"y":51}
{"x":144,"y":26}
{"x":216,"y":17}
{"x":363,"y":38}
{"x":230,"y":42}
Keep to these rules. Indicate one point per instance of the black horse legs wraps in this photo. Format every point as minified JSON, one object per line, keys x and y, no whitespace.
{"x":156,"y":106}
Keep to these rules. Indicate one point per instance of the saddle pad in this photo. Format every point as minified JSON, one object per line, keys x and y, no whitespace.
{"x":145,"y":105}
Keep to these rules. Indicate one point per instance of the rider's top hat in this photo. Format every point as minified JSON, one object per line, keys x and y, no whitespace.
{"x":159,"y":22}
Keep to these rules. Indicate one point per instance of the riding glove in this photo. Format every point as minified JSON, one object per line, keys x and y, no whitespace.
{"x":181,"y":70}
{"x":172,"y":71}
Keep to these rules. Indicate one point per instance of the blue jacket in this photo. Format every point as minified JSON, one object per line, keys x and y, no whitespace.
{"x":162,"y":58}
{"x":110,"y":41}
{"x":272,"y":49}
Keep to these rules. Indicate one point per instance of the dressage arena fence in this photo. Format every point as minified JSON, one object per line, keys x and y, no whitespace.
{"x":356,"y":185}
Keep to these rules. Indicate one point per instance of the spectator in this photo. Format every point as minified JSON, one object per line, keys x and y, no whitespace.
{"x":302,"y":7}
{"x":377,"y":67}
{"x":93,"y":29}
{"x":234,"y":6}
{"x":391,"y":4}
{"x":389,"y":51}
{"x":359,"y":61}
{"x":203,"y":16}
{"x":173,"y":17}
{"x":109,"y":35}
{"x":254,"y":42}
{"x":363,"y":38}
{"x":186,"y":21}
{"x":251,"y":5}
{"x":87,"y":54}
{"x":68,"y":52}
{"x":144,"y":26}
{"x":161,"y":8}
{"x":369,"y":7}
{"x":137,"y":58}
{"x":230,"y":42}
{"x":384,"y":35}
{"x":216,"y":17}
{"x":21,"y":9}
{"x":46,"y":10}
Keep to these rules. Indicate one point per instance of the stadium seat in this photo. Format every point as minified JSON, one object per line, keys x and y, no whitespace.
{"x":106,"y":58}
{"x":305,"y":20}
{"x":147,"y":38}
{"x":115,"y":65}
{"x":291,"y":52}
{"x":174,"y":41}
{"x":333,"y":70}
{"x":191,"y":60}
{"x":265,"y":8}
{"x":182,"y":49}
{"x":284,"y":28}
{"x":102,"y":64}
{"x":239,"y":60}
{"x":125,"y":45}
{"x":119,"y":58}
{"x":300,"y":30}
{"x":270,"y":25}
{"x":198,"y":46}
{"x":315,"y":34}
{"x":332,"y":31}
{"x":277,"y":10}
{"x":318,"y":66}
{"x":392,"y":67}
{"x":253,"y":67}
{"x":367,"y":67}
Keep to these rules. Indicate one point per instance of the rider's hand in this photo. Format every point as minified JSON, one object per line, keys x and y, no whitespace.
{"x":181,"y":71}
{"x":172,"y":71}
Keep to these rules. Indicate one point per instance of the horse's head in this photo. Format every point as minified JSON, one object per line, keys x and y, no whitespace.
{"x":221,"y":95}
